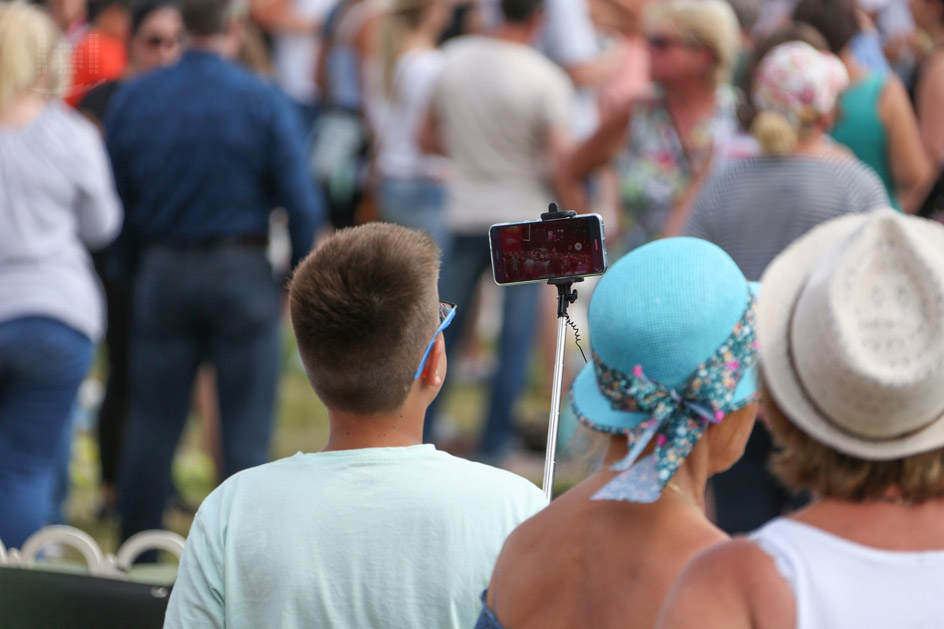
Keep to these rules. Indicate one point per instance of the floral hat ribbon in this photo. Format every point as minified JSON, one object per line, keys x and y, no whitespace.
{"x":677,"y":417}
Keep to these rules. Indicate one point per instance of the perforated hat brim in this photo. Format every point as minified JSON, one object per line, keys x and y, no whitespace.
{"x":783,"y":283}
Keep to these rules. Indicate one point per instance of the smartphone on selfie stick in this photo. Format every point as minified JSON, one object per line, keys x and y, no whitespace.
{"x":562,"y":248}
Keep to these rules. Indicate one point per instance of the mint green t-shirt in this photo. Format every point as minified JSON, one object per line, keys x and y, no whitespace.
{"x":379,"y":537}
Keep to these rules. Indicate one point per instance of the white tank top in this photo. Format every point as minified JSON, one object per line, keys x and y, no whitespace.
{"x":839,"y":584}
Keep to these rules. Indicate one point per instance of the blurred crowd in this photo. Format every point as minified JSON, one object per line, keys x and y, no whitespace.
{"x":154,"y":152}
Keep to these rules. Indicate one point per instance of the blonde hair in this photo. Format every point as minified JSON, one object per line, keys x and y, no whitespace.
{"x":777,"y":134}
{"x":711,"y":23}
{"x":804,"y":463}
{"x":774,"y":133}
{"x":404,"y":18}
{"x":33,"y":53}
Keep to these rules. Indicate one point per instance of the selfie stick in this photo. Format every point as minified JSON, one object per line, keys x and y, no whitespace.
{"x":565,"y":297}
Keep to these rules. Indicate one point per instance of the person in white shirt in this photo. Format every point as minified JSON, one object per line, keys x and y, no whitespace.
{"x":569,"y":38}
{"x":377,"y":529}
{"x":852,"y":357}
{"x":295,"y":27}
{"x":411,"y":184}
{"x":501,"y":112}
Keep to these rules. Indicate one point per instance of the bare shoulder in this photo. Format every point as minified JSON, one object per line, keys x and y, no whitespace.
{"x":519,"y":545}
{"x":734,"y":585}
{"x":894,"y":99}
{"x":533,"y":557}
{"x":894,"y":90}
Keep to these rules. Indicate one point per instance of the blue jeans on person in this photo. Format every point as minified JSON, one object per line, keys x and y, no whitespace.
{"x":417,"y":204}
{"x":42,"y":364}
{"x":62,"y":459}
{"x":468,"y":260}
{"x":193,"y":306}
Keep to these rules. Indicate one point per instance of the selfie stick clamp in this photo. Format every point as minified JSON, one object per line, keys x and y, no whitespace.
{"x":565,"y":296}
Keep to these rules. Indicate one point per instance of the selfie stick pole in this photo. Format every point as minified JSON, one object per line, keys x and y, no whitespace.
{"x":565,"y":297}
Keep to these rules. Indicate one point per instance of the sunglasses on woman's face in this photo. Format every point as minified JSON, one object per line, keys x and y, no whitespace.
{"x":156,"y":41}
{"x":664,"y":42}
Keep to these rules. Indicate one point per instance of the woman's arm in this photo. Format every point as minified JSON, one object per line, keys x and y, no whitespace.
{"x":734,"y":585}
{"x":594,"y":153}
{"x":98,"y":209}
{"x":680,"y":213}
{"x":910,"y":167}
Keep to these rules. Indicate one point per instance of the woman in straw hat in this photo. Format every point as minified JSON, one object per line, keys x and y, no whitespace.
{"x":671,"y":386}
{"x":850,"y":323}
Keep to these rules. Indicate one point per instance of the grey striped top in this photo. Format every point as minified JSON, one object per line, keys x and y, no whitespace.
{"x":755,"y":208}
{"x":57,"y":197}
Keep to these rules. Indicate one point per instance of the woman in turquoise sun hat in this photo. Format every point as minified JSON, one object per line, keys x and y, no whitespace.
{"x":672,"y":384}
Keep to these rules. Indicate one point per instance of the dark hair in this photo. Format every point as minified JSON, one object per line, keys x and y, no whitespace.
{"x":520,"y":11}
{"x":97,"y":7}
{"x":794,"y":31}
{"x":837,"y":20}
{"x":364,"y":306}
{"x":747,"y":12}
{"x":206,"y":17}
{"x":143,"y":10}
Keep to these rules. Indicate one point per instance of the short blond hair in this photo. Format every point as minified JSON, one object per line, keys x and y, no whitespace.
{"x":711,"y":23}
{"x":805,"y":464}
{"x":33,"y":53}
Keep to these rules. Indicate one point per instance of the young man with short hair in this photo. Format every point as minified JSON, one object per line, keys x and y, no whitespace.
{"x":377,"y":529}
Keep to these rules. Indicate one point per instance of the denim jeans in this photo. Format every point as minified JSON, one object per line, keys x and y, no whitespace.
{"x":220,"y":306}
{"x":468,"y":260}
{"x":417,"y":204}
{"x":42,"y":364}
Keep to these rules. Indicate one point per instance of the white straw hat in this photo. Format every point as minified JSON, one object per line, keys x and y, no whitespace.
{"x":851,"y":330}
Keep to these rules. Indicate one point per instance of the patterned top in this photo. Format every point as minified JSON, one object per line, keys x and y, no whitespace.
{"x":654,"y":168}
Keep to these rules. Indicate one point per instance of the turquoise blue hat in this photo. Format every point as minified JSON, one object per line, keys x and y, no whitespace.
{"x":672,"y":338}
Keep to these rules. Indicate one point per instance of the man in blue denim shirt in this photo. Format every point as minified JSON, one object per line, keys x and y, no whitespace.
{"x":202,"y":152}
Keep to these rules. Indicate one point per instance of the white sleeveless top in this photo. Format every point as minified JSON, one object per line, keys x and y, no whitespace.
{"x":839,"y":584}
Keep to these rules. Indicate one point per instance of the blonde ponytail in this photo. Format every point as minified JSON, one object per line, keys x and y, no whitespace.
{"x":393,"y":33}
{"x":774,"y":133}
{"x":404,"y":18}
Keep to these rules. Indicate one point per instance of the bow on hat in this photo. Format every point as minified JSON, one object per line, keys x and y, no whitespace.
{"x":677,"y":417}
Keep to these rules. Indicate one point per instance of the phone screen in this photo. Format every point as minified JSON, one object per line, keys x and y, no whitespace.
{"x":537,"y":251}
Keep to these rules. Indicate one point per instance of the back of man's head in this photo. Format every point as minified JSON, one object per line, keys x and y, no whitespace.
{"x":205,"y":18}
{"x":520,"y":11}
{"x":364,"y":306}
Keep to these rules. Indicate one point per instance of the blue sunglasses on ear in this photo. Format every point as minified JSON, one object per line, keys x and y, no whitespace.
{"x":447,"y":312}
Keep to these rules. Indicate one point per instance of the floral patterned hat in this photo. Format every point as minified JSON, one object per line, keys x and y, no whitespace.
{"x":672,"y":337}
{"x":799,"y":81}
